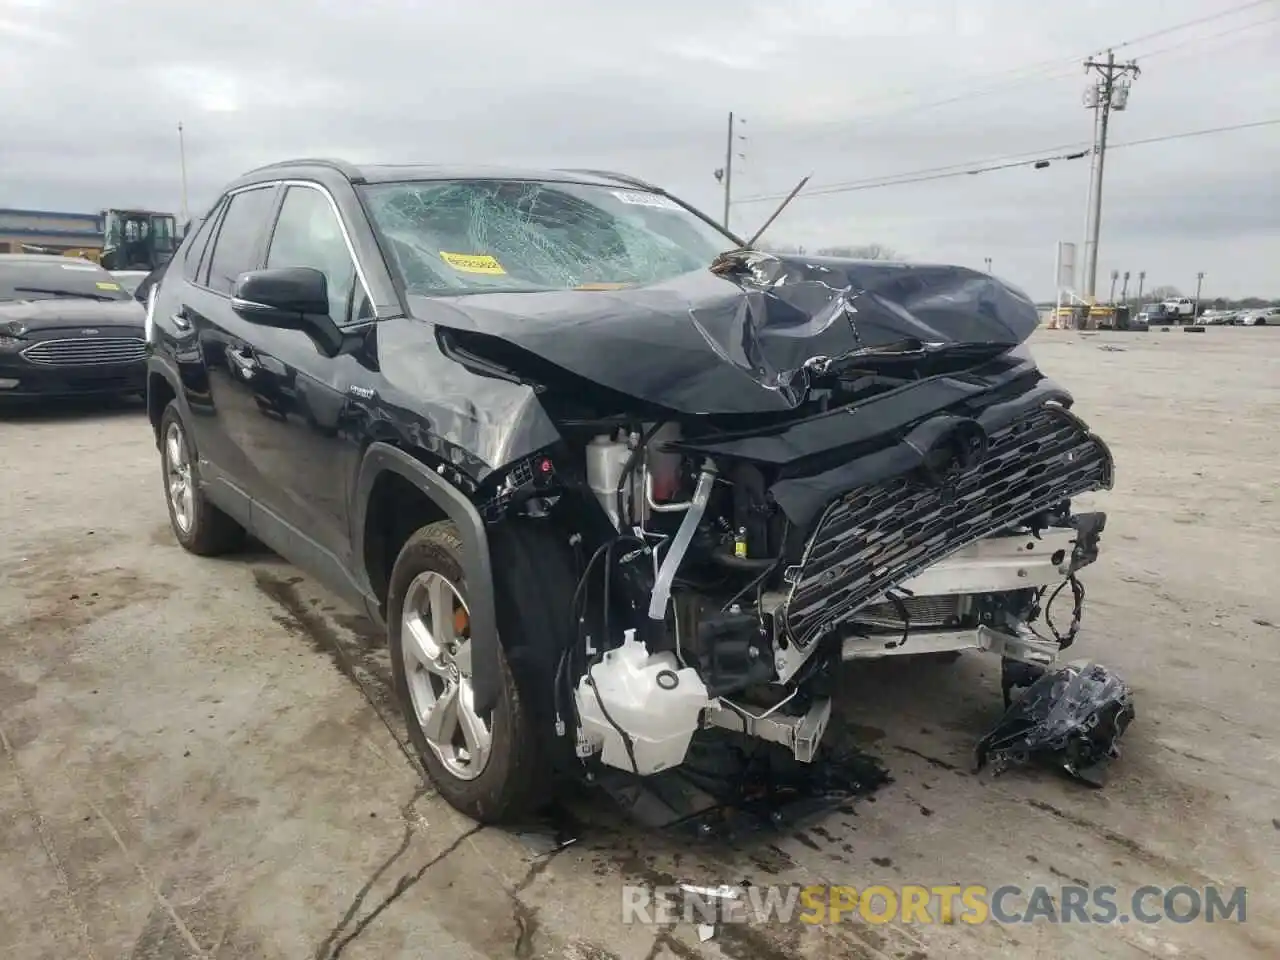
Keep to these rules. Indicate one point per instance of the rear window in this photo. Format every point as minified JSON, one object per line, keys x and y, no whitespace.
{"x":475,"y":236}
{"x":24,"y":279}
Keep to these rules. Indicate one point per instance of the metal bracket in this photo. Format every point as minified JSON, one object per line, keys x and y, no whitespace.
{"x":801,"y":734}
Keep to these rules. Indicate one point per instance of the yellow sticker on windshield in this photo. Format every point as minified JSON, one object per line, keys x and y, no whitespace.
{"x":107,"y":285}
{"x":472,"y":262}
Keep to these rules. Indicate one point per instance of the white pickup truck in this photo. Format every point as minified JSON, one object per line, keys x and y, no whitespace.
{"x":1179,"y":307}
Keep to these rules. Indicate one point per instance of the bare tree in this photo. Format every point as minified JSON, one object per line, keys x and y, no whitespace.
{"x":866,"y":251}
{"x":1164,"y":293}
{"x":781,"y":248}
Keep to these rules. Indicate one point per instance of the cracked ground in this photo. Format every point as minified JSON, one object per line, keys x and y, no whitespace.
{"x":202,"y":759}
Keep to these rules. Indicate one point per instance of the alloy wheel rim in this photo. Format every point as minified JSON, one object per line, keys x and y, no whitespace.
{"x":178,"y":486}
{"x":435,"y":642}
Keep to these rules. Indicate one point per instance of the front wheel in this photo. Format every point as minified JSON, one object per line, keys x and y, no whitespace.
{"x":486,"y":767}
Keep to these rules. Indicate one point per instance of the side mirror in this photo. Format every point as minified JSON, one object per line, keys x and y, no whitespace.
{"x":264,"y":295}
{"x":289,"y":298}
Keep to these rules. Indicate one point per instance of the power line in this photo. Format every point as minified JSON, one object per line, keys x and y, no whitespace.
{"x":1042,"y":157}
{"x":1160,"y":51}
{"x":1027,"y":73}
{"x":1196,"y":133}
{"x":963,"y":167}
{"x":1192,"y":23}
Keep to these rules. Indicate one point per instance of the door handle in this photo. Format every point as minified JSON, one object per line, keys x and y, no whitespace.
{"x":180,"y":320}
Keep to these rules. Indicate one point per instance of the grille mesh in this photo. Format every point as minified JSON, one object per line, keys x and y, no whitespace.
{"x":84,"y":351}
{"x":876,"y":537}
{"x":922,"y":611}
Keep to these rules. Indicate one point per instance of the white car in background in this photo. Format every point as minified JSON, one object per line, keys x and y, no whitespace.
{"x":1265,"y":317}
{"x":1180,"y":307}
{"x":1218,"y":317}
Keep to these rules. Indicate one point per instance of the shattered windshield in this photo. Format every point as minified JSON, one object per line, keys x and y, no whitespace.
{"x":23,"y":279}
{"x":474,"y":236}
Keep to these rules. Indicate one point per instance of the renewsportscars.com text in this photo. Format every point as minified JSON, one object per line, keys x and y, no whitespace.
{"x":917,"y":903}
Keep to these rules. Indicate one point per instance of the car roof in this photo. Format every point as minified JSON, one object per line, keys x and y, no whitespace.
{"x":324,"y":168}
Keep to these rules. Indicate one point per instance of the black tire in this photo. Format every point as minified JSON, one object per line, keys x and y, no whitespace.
{"x":509,"y":784}
{"x":211,"y":532}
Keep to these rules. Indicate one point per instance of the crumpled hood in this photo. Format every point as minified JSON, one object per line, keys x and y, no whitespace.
{"x":69,"y":312}
{"x":742,"y":336}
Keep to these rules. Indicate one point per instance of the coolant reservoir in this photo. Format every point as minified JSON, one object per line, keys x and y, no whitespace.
{"x":606,"y":459}
{"x":651,"y":697}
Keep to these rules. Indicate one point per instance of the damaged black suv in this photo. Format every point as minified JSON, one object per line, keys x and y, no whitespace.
{"x":608,"y":477}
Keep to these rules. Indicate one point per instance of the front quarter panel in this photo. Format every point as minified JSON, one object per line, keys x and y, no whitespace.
{"x":475,"y":423}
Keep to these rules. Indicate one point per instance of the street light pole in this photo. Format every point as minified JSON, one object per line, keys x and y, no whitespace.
{"x":182,"y":161}
{"x":1142,"y":279}
{"x":1124,"y":291}
{"x":987,"y":260}
{"x":1199,"y":282}
{"x":728,"y":170}
{"x":725,"y":174}
{"x":1115,"y":275}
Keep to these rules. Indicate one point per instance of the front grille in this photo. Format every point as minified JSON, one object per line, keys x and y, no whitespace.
{"x":921,"y":612}
{"x":874,"y":538}
{"x":84,"y":351}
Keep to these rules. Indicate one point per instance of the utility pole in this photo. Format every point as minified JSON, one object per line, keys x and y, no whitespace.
{"x":1124,"y":291}
{"x":1115,"y":275}
{"x":182,"y":161}
{"x":1142,"y":279}
{"x":725,"y":174}
{"x":1111,"y":92}
{"x":1199,"y":282}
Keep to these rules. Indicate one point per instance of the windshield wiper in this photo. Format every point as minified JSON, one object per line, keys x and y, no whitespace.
{"x":53,"y":292}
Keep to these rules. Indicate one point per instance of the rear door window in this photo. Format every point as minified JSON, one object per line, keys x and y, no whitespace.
{"x":195,"y":250}
{"x":236,"y":249}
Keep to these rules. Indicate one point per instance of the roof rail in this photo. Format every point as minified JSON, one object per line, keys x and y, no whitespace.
{"x":620,"y":177}
{"x":348,"y":170}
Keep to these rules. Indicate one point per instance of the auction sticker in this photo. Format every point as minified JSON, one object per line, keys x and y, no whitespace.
{"x":639,"y":198}
{"x":79,"y":266}
{"x":107,"y":285}
{"x":472,"y":262}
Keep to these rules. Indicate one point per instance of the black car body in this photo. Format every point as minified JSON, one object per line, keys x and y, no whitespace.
{"x":67,"y":328}
{"x":604,"y":474}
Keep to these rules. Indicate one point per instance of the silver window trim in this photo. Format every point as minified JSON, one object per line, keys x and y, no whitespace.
{"x":342,"y":226}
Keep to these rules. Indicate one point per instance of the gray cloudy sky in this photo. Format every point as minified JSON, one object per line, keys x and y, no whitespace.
{"x":848,"y":90}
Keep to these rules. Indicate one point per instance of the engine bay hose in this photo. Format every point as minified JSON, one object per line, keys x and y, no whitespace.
{"x":680,"y":543}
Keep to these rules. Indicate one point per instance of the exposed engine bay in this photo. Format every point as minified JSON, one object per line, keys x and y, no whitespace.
{"x":906,"y":491}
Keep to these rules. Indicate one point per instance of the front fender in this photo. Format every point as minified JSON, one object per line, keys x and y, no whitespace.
{"x":476,"y":562}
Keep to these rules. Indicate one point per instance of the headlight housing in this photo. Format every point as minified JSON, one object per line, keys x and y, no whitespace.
{"x":12,"y":328}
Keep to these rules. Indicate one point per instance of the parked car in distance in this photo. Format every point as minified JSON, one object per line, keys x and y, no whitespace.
{"x":1154,"y":313}
{"x":67,"y":327}
{"x":1264,"y":317}
{"x":1217,"y":318}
